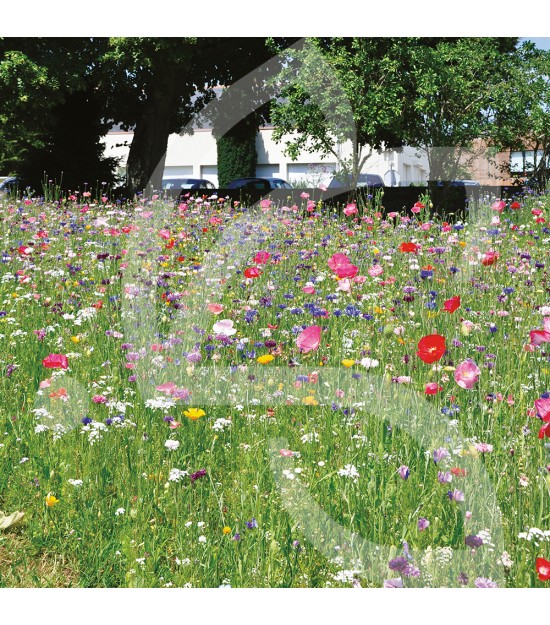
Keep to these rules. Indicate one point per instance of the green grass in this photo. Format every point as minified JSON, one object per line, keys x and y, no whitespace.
{"x":172,"y":532}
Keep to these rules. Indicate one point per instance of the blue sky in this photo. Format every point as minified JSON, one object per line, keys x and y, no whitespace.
{"x":541,"y":42}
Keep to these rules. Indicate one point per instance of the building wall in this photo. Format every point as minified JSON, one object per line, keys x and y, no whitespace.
{"x":195,"y":156}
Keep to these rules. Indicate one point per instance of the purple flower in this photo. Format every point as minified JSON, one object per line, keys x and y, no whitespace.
{"x":396,"y":582}
{"x":411,"y":571}
{"x":193,"y":357}
{"x":473,"y":541}
{"x":444,"y":478}
{"x":252,"y":524}
{"x":398,"y":564}
{"x":237,"y":537}
{"x":404,"y":471}
{"x":463,"y":579}
{"x":485,"y":582}
{"x":440,"y":454}
{"x":456,"y":495}
{"x":195,"y":476}
{"x":423,"y":524}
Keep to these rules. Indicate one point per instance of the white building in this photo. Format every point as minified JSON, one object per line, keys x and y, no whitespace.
{"x":194,"y":156}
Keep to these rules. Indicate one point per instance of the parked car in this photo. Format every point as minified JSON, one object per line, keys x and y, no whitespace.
{"x":464,"y":183}
{"x":184,"y":184}
{"x":372,"y":181}
{"x":259,"y":184}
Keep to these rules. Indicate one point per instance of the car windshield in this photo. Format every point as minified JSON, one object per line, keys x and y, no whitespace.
{"x":280,"y":184}
{"x":181,"y":183}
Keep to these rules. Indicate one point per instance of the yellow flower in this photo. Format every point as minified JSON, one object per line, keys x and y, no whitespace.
{"x":194,"y":413}
{"x":51,"y":500}
{"x":75,"y":339}
{"x":375,"y":250}
{"x":348,"y":362}
{"x":226,"y":530}
{"x":310,"y":401}
{"x":263,"y":360}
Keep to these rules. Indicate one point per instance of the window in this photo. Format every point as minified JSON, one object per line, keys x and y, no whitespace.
{"x":523,"y":163}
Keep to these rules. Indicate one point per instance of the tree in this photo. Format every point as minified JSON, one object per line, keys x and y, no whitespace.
{"x":156,"y":86}
{"x":236,"y":121}
{"x":50,"y":111}
{"x":524,"y":120}
{"x":436,"y":94}
{"x":452,"y":88}
{"x":344,"y":90}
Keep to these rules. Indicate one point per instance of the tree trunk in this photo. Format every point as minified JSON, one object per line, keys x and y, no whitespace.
{"x":147,"y":155}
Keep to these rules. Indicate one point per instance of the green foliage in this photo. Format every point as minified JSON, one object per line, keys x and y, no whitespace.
{"x":237,"y":154}
{"x":51,"y":111}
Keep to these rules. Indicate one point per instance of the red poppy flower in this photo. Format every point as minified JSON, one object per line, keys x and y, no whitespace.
{"x":515,"y":205}
{"x":431,"y":348}
{"x":543,"y":569}
{"x":544,"y":431}
{"x":459,"y":472}
{"x":252,"y":272}
{"x":452,"y":304}
{"x":432,"y":388}
{"x":25,"y":250}
{"x":56,"y":361}
{"x":408,"y":247}
{"x":489,"y":258}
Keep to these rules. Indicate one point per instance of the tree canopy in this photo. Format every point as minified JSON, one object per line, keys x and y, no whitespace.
{"x":58,"y":96}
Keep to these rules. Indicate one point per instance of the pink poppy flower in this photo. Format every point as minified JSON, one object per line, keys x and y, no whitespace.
{"x":499,"y":206}
{"x":286,"y":453}
{"x":309,"y":339}
{"x":467,"y":374}
{"x":225,"y":327}
{"x":351,"y":209}
{"x":344,"y":285}
{"x":309,"y":290}
{"x":56,"y":361}
{"x":262,"y":257}
{"x":541,"y":336}
{"x":375,"y":270}
{"x":215,"y":309}
{"x":167,"y":387}
{"x":347,"y":271}
{"x":338,"y":260}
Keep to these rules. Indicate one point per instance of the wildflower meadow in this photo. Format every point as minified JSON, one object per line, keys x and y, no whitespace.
{"x":201,"y":394}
